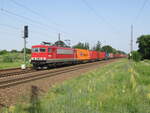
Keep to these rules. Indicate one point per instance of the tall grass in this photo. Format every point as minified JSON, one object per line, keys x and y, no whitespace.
{"x":11,"y":60}
{"x":122,"y":87}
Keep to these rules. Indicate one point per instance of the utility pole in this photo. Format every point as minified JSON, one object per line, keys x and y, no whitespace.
{"x":131,"y":49}
{"x":25,"y":37}
{"x":58,"y":36}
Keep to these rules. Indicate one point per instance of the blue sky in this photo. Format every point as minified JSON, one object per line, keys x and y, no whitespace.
{"x":108,"y":21}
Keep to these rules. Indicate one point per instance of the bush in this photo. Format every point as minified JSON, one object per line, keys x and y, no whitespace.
{"x":14,"y":51}
{"x":8,"y":59}
{"x":3,"y":52}
{"x":136,"y":56}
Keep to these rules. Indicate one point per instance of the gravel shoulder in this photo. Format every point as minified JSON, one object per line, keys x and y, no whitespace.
{"x":20,"y":93}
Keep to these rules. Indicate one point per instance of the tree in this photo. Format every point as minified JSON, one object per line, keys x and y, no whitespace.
{"x":86,"y":45}
{"x":120,"y":52}
{"x":14,"y":51}
{"x":108,"y":49}
{"x":82,"y":45}
{"x":144,"y":46}
{"x":3,"y":52}
{"x":136,"y":56}
{"x":97,"y":47}
{"x":60,"y":44}
{"x":28,"y":51}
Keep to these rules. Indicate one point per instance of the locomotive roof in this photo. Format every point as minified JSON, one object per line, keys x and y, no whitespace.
{"x":50,"y":46}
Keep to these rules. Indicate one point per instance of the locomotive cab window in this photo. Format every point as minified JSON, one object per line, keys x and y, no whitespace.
{"x":49,"y":50}
{"x":35,"y":50}
{"x":42,"y":50}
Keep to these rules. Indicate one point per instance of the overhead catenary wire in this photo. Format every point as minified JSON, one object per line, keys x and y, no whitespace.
{"x":135,"y":22}
{"x":32,"y":11}
{"x":37,"y":14}
{"x":100,"y":17}
{"x":32,"y":31}
{"x":9,"y":26}
{"x":140,"y":11}
{"x":2,"y":4}
{"x":29,"y":19}
{"x":42,"y":28}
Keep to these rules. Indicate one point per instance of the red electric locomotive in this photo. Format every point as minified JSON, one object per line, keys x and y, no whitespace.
{"x":45,"y":56}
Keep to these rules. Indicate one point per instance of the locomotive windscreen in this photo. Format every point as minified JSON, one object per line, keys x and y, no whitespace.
{"x":36,"y":50}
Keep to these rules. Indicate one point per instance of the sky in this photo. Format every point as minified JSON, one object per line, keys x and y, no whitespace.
{"x":107,"y":21}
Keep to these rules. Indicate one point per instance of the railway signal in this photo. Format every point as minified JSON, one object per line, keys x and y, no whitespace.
{"x":24,"y":37}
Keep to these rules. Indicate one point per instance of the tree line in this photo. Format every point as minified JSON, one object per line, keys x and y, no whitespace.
{"x":98,"y":47}
{"x":28,"y":51}
{"x":143,"y":51}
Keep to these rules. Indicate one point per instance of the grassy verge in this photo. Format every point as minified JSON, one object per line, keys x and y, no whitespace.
{"x":122,"y":87}
{"x":12,"y":60}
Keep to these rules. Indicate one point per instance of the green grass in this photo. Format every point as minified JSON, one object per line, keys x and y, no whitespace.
{"x":12,"y":60}
{"x":122,"y":87}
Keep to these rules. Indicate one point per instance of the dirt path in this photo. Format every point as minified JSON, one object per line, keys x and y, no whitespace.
{"x":9,"y":96}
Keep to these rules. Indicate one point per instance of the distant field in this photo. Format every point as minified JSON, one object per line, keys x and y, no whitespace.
{"x":122,"y":87}
{"x":12,"y":60}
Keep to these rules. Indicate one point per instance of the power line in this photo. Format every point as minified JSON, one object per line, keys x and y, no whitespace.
{"x":33,"y":12}
{"x":2,"y":4}
{"x":140,"y":10}
{"x":9,"y":26}
{"x":39,"y":27}
{"x":100,"y":17}
{"x":33,"y":31}
{"x":29,"y":19}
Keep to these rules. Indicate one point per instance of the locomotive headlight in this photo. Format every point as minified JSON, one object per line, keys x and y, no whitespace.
{"x":32,"y":58}
{"x":44,"y":58}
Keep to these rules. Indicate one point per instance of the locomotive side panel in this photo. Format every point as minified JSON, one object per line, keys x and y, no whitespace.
{"x":60,"y":54}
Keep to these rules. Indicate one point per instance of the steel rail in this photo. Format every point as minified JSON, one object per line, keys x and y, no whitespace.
{"x":27,"y":78}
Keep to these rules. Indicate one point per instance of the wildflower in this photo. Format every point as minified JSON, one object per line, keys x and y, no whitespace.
{"x":11,"y":109}
{"x":123,"y":91}
{"x":88,"y":102}
{"x":80,"y":91}
{"x":148,"y":95}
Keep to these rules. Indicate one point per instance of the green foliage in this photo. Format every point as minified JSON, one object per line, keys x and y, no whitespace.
{"x":28,"y":51}
{"x":82,"y":45}
{"x":144,"y":46}
{"x":14,"y":51}
{"x":60,"y":44}
{"x":108,"y":49}
{"x":120,"y":52}
{"x":3,"y":52}
{"x":8,"y":58}
{"x":97,"y":47}
{"x":11,"y":60}
{"x":135,"y":55}
{"x":120,"y":87}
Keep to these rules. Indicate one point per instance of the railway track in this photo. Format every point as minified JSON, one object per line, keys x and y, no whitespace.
{"x":14,"y":71}
{"x":23,"y":78}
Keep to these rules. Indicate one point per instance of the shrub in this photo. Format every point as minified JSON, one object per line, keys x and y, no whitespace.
{"x":136,"y":56}
{"x":8,"y":59}
{"x":14,"y":51}
{"x":3,"y":52}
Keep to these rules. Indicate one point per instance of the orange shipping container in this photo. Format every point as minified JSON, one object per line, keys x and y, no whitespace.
{"x":82,"y":54}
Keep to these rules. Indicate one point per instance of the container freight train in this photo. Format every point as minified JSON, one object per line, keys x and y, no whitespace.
{"x":48,"y":56}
